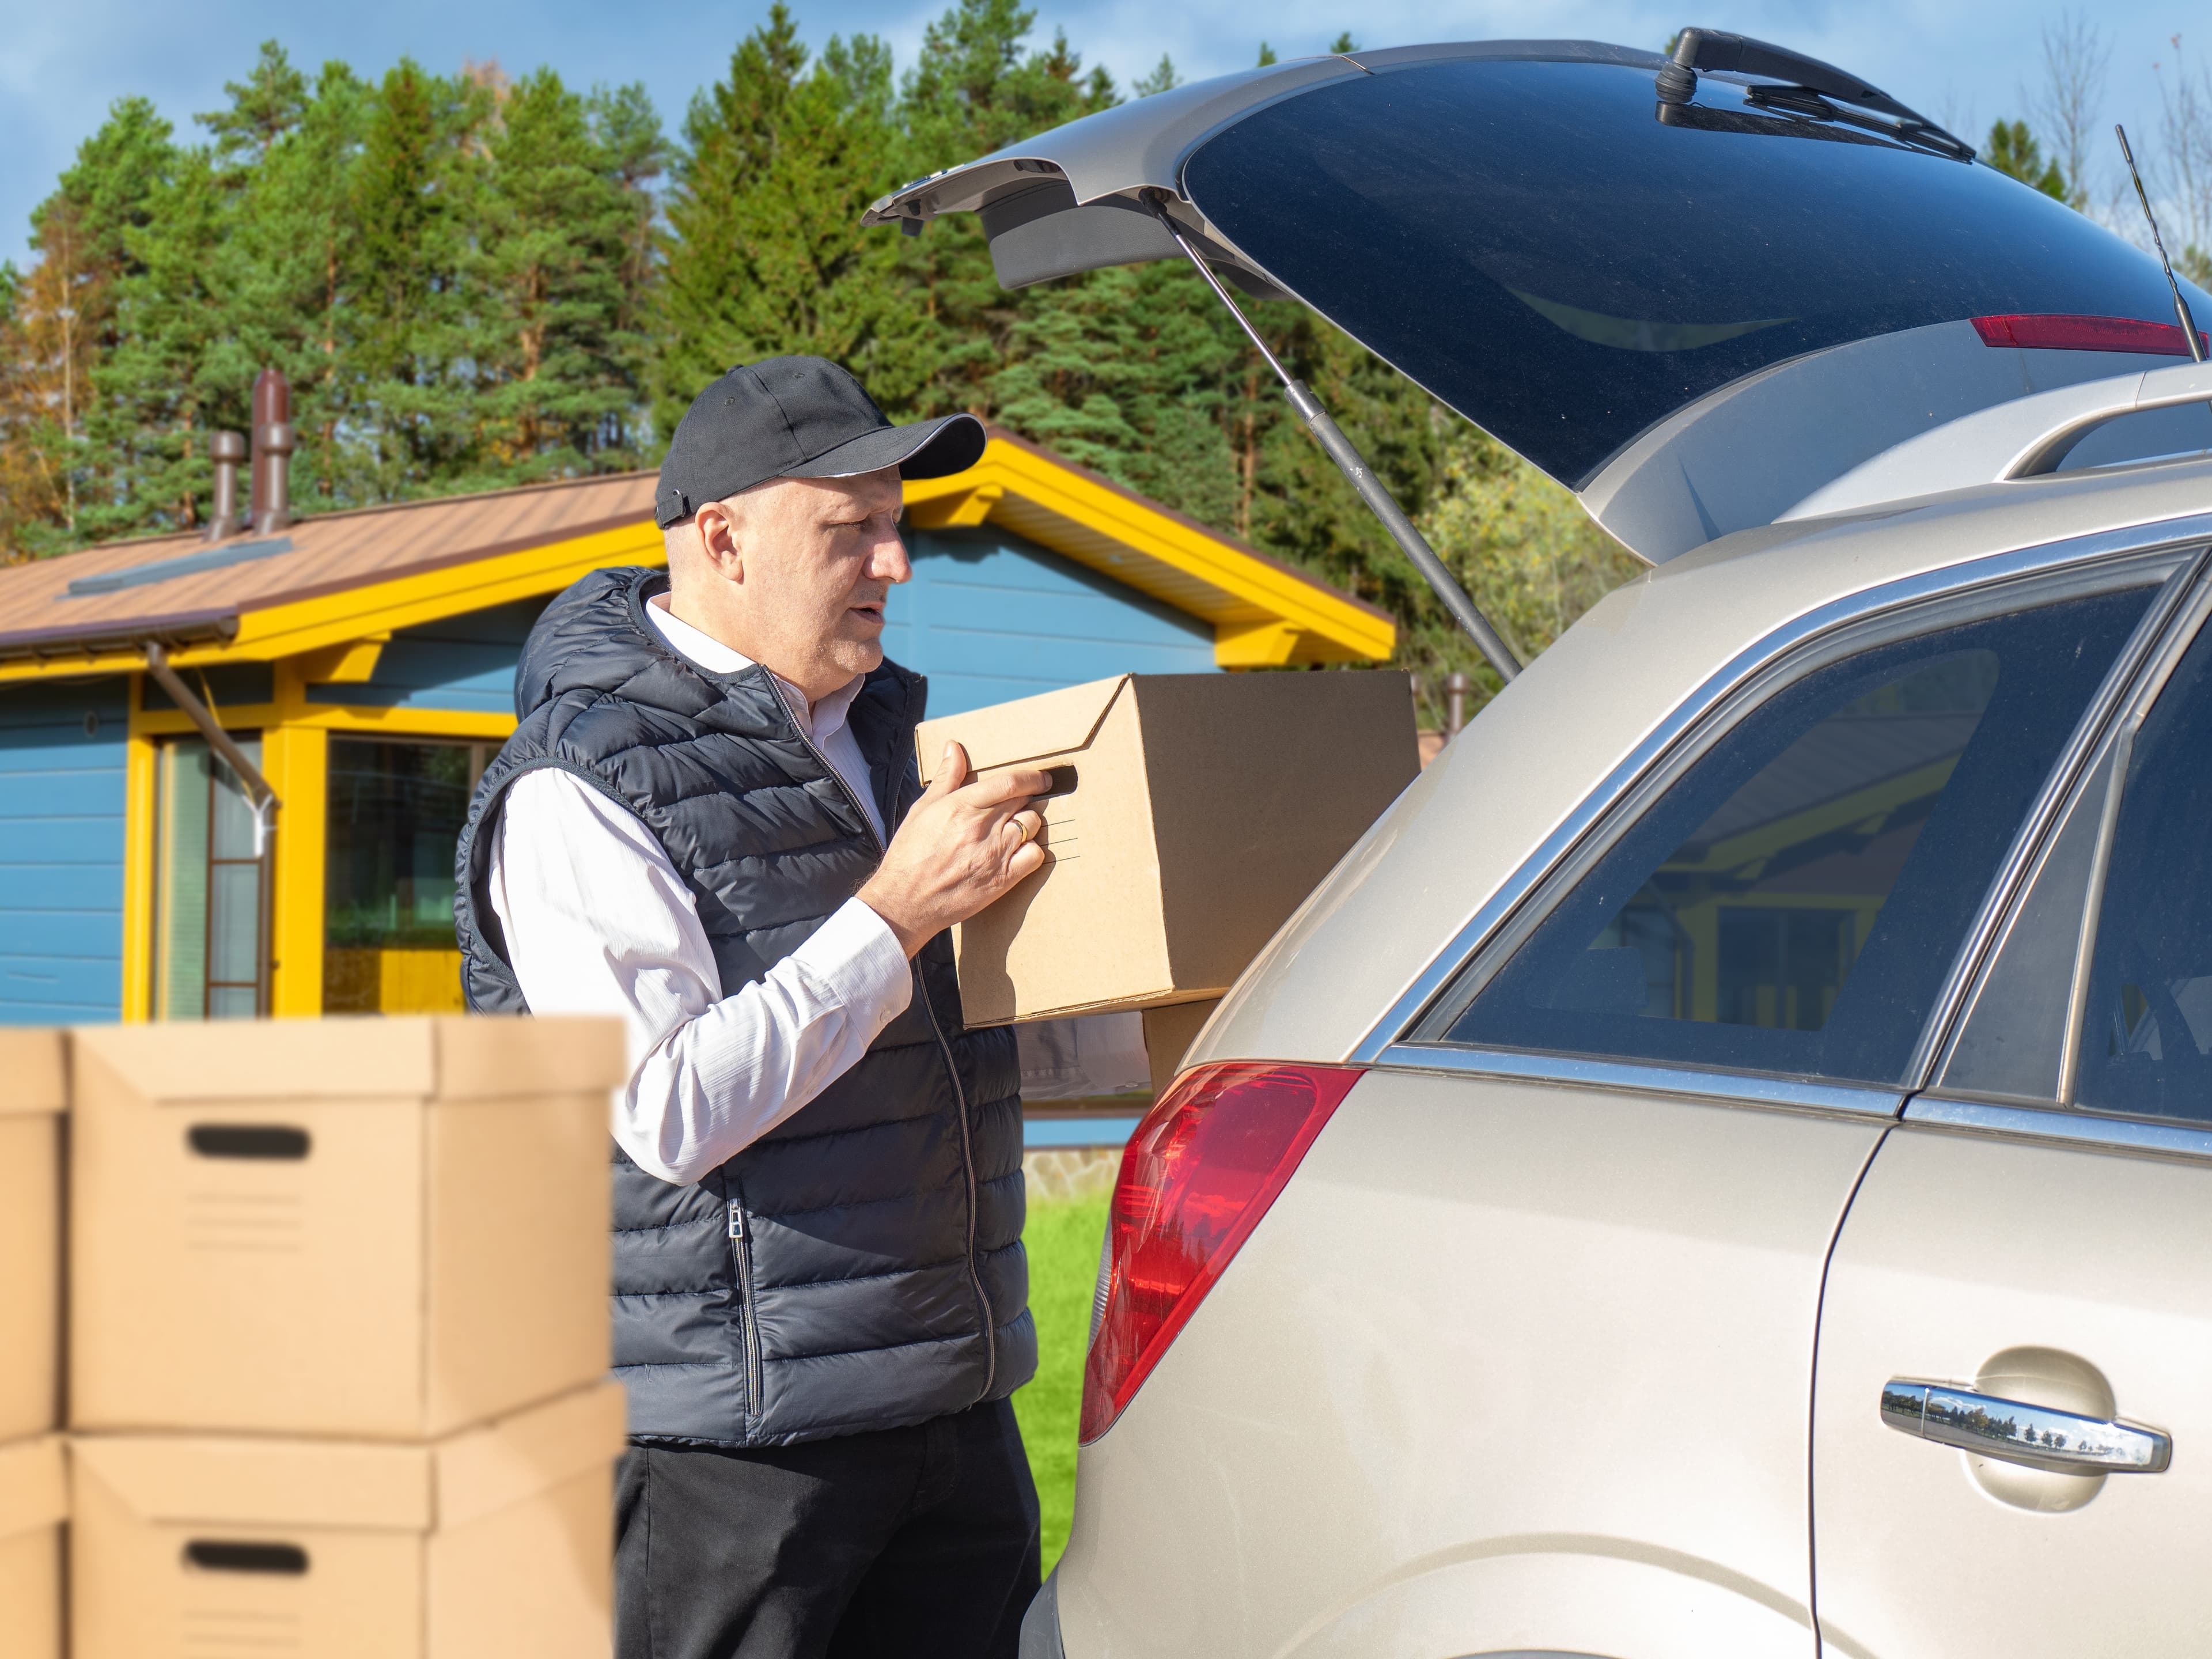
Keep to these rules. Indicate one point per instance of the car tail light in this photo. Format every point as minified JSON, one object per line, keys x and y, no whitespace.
{"x":2067,"y":333}
{"x":1196,"y":1177}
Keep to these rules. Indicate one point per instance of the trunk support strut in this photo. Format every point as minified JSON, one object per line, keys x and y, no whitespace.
{"x":1355,"y":468}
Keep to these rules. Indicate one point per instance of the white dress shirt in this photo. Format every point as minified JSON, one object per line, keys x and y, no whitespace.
{"x":598,"y":922}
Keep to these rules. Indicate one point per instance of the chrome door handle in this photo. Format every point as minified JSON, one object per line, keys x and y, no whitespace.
{"x":2017,"y":1432}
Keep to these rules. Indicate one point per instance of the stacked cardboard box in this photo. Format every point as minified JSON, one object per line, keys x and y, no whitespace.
{"x":33,"y":1497}
{"x":338,"y":1339}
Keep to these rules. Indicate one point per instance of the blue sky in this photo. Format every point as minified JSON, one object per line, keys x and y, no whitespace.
{"x":1963,"y":61}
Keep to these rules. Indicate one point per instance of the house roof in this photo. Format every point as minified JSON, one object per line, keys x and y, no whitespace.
{"x":342,"y":576}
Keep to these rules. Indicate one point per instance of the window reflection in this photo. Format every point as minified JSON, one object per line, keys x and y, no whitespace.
{"x":1793,"y":901}
{"x":396,"y":811}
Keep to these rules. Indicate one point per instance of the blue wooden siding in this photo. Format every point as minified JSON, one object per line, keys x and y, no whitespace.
{"x":990,"y":616}
{"x":61,"y":852}
{"x":464,"y":663}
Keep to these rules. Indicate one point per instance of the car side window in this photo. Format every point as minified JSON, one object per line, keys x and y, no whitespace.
{"x":2146,"y":1045}
{"x":1793,"y":901}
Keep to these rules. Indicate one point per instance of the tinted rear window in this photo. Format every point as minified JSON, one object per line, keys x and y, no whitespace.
{"x":1528,"y":241}
{"x":1792,"y":902}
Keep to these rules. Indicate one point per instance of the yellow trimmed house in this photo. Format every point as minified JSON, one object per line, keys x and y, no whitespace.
{"x":361,"y":666}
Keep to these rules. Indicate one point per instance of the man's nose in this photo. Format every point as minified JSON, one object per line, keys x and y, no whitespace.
{"x":889,"y":562}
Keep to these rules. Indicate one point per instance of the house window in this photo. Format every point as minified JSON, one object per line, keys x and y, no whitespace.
{"x":396,"y":811}
{"x":210,"y":890}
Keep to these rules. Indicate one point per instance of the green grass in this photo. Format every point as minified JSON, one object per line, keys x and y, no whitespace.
{"x":1063,"y":1239}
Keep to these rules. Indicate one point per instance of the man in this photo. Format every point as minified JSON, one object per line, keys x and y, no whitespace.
{"x":710,"y":822}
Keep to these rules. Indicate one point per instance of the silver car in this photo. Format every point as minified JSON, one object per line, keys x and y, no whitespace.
{"x":1725,"y":1166}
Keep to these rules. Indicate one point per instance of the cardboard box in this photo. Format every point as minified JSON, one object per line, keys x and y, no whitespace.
{"x":383,"y":1228}
{"x":32,"y":1097}
{"x":34,"y":1504}
{"x":1168,"y":1033}
{"x":491,"y":1544}
{"x":1191,"y":815}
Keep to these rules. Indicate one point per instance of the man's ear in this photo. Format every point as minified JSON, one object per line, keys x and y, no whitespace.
{"x":722,"y":540}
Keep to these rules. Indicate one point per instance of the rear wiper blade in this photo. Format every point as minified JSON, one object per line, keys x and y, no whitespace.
{"x":1808,"y":87}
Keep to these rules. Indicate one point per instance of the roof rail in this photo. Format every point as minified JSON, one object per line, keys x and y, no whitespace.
{"x":2025,"y":438}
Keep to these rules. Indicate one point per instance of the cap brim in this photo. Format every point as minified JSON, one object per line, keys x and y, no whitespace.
{"x":925,"y":449}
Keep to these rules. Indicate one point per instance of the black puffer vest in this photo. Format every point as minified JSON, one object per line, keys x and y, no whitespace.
{"x":860,"y":1266}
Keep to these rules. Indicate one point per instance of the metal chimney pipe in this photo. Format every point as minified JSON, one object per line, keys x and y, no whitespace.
{"x":227,"y":450}
{"x":273,"y":443}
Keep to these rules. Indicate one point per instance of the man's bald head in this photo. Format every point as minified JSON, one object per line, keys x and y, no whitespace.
{"x":794,"y":572}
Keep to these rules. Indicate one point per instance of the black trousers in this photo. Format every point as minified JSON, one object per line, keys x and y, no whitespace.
{"x":920,"y":1542}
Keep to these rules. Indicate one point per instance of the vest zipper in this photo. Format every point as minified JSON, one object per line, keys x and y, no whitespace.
{"x":967,"y":1163}
{"x":944,"y":1046}
{"x":741,"y":1253}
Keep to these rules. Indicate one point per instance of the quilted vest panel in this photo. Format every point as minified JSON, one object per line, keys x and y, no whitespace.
{"x":860,"y":1266}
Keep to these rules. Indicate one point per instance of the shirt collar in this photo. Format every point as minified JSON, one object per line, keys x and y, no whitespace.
{"x":821,"y":721}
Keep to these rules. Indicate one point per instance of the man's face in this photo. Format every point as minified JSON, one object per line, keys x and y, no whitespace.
{"x":803,"y":567}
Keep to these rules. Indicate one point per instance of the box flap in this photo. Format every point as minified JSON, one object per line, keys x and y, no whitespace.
{"x":31,"y":1079}
{"x":481,"y":1058}
{"x":33,"y":1485}
{"x":267,"y":1060}
{"x":236,"y":1480}
{"x":1008,"y":734}
{"x":482,"y":1470}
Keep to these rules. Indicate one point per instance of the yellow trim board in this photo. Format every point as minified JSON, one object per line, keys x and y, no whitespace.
{"x":296,"y":760}
{"x":137,"y":867}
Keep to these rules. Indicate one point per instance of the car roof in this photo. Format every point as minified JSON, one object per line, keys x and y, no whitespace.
{"x":1695,"y":316}
{"x":1531,"y":766}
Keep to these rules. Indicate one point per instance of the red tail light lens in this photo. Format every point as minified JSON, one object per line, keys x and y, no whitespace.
{"x":2067,"y":333}
{"x":1196,"y":1177}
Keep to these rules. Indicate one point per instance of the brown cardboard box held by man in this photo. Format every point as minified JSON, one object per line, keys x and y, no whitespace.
{"x":710,"y":822}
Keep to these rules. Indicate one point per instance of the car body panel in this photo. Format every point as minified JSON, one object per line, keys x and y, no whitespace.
{"x":1531,"y":769}
{"x":1508,"y":1365}
{"x":1961,"y":1248}
{"x":2029,"y":435}
{"x":1684,"y":482}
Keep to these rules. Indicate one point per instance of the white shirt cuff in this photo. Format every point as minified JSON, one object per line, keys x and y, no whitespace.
{"x":856,"y":958}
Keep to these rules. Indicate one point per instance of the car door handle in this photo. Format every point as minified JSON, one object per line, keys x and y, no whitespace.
{"x":2017,"y":1432}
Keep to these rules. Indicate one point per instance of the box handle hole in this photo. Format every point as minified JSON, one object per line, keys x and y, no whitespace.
{"x":221,"y":1555}
{"x":1062,"y":779}
{"x":247,"y":1140}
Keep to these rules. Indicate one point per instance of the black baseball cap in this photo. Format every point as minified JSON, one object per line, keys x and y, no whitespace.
{"x":797,"y":417}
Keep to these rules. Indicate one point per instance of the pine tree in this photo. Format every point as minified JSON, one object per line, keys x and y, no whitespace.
{"x":67,"y":327}
{"x":2012,"y":148}
{"x":635,"y":153}
{"x":765,"y":252}
{"x":416,"y":193}
{"x":974,"y":90}
{"x":150,"y":419}
{"x":1163,"y":78}
{"x":290,"y":275}
{"x":268,"y":104}
{"x":556,"y":366}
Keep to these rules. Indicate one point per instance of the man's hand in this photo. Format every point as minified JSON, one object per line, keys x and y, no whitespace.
{"x":963,"y":845}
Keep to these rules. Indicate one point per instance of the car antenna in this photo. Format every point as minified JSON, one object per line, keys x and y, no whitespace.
{"x":1349,"y":461}
{"x":2189,"y":334}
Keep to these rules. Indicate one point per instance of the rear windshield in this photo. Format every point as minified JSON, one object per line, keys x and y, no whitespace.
{"x":1529,"y":241}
